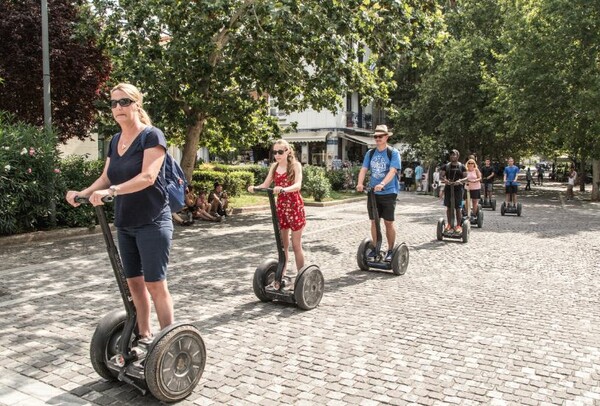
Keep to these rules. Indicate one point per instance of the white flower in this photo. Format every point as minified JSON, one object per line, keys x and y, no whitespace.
{"x":23,"y":151}
{"x":7,"y":148}
{"x":7,"y":168}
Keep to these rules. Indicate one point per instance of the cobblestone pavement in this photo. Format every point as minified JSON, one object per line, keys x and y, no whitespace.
{"x":511,"y":317}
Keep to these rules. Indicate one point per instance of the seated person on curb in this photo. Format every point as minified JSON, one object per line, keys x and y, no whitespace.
{"x":202,"y":207}
{"x":219,"y":201}
{"x":184,"y":216}
{"x":456,"y":173}
{"x":511,"y":173}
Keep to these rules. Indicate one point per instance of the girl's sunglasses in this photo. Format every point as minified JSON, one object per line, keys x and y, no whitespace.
{"x":279,"y":151}
{"x":124,"y":102}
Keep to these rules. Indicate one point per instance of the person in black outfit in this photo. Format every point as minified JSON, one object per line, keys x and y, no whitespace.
{"x":453,"y":175}
{"x":487,"y":175}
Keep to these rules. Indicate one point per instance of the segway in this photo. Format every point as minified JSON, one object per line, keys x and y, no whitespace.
{"x":169,"y":365}
{"x":511,"y":208}
{"x":468,"y":212}
{"x":399,"y":261}
{"x":486,"y":203}
{"x":452,"y":234}
{"x":308,"y":285}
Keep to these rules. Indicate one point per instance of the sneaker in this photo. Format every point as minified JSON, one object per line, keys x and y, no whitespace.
{"x":389,"y":255}
{"x":146,"y":341}
{"x":371,"y":255}
{"x":448,"y":228}
{"x":458,"y":230}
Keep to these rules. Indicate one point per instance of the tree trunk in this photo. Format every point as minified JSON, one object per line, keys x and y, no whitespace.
{"x":595,"y":180}
{"x":190,"y":147}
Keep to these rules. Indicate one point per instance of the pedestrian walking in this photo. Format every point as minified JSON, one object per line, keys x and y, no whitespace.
{"x":528,"y":178}
{"x":571,"y":183}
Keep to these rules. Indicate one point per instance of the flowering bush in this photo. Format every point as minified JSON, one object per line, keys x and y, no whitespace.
{"x":28,"y":173}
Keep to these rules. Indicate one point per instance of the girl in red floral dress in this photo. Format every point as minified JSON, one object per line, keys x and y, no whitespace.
{"x":286,"y":172}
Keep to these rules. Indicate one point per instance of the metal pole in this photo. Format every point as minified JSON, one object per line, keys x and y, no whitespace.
{"x":46,"y":67}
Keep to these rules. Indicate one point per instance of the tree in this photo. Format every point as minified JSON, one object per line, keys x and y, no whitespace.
{"x":548,"y":80}
{"x":77,"y":66}
{"x":207,"y":66}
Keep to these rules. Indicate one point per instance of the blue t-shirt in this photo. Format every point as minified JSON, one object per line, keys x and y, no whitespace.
{"x":380,"y":166}
{"x":511,"y":174}
{"x":418,"y":173}
{"x":142,"y":207}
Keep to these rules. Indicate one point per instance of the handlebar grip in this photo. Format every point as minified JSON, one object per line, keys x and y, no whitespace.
{"x":83,"y":199}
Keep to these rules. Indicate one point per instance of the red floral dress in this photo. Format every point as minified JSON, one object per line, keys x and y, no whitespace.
{"x":290,"y":206}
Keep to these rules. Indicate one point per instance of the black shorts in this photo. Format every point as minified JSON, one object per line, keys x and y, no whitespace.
{"x":386,"y":206}
{"x":511,"y":189}
{"x":475,"y":194}
{"x":458,"y":196}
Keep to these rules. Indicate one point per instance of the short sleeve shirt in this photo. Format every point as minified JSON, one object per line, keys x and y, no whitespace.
{"x":418,"y":172}
{"x":485,"y":172}
{"x":511,"y":173}
{"x":455,"y":172}
{"x":142,"y":207}
{"x":380,"y":166}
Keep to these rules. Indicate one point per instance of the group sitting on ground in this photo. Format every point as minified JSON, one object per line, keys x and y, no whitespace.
{"x":200,"y":207}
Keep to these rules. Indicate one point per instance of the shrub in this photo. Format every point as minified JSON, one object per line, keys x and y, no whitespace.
{"x":336,"y":179}
{"x":315,"y":182}
{"x":28,"y":176}
{"x":234,"y":182}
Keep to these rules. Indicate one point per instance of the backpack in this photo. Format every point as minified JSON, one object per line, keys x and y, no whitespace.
{"x":175,"y":181}
{"x":390,"y":151}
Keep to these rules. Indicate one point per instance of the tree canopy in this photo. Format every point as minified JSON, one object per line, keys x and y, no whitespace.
{"x":78,"y":68}
{"x":207,"y":66}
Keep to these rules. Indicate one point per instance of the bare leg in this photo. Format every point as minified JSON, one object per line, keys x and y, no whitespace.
{"x":390,"y":233}
{"x":285,"y":240}
{"x":141,"y":301}
{"x":449,"y":216}
{"x":163,"y":303}
{"x":373,"y":232}
{"x":297,"y":246}
{"x":458,"y":217}
{"x":475,"y":206}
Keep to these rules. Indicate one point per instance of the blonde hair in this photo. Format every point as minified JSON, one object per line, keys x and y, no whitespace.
{"x":135,"y":95}
{"x":291,"y":159}
{"x":473,"y":162}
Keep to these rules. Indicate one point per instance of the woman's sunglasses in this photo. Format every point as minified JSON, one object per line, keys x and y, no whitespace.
{"x":279,"y":151}
{"x":124,"y":102}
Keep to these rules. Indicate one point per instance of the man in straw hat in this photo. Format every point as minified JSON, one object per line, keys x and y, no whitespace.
{"x":384,"y":163}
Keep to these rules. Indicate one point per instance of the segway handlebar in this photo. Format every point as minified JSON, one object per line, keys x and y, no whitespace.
{"x":265,"y":189}
{"x":82,"y":199}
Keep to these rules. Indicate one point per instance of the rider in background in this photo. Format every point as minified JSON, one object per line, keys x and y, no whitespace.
{"x":453,"y":174}
{"x":511,"y":173}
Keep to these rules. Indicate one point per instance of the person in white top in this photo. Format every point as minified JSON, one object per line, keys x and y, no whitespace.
{"x":571,"y":183}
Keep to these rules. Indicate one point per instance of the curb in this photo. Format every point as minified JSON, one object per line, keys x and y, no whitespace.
{"x":36,"y":236}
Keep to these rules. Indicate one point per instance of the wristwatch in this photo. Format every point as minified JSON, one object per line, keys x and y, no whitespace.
{"x":113,"y":188}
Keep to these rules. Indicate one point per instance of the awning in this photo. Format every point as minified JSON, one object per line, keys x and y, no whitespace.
{"x":361,"y":139}
{"x":306,"y":136}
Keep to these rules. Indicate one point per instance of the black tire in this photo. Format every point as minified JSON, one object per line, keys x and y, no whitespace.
{"x":519,"y":208}
{"x":263,"y":277}
{"x":175,"y":363}
{"x":105,"y":343}
{"x":480,"y":219}
{"x":503,"y":208}
{"x":400,"y":259}
{"x":494,"y":204}
{"x":361,"y":254}
{"x":466,"y":230}
{"x":309,"y":287}
{"x":440,"y":229}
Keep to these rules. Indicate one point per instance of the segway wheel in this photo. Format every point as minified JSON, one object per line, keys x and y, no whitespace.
{"x":309,"y":287}
{"x":400,"y":259}
{"x":440,"y":229}
{"x":503,"y":208}
{"x":466,"y":230}
{"x":361,"y":254}
{"x":175,"y":363}
{"x":105,"y":343}
{"x":519,"y":208}
{"x":493,"y":201}
{"x":263,"y":277}
{"x":480,"y":218}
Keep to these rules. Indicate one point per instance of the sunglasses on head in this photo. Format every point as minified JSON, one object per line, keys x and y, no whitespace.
{"x":124,"y":102}
{"x":279,"y":151}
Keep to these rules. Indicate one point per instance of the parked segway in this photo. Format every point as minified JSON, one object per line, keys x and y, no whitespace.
{"x":511,"y":208}
{"x":452,"y":234}
{"x":308,"y":285}
{"x":467,"y":211}
{"x":400,"y":255}
{"x":169,"y":366}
